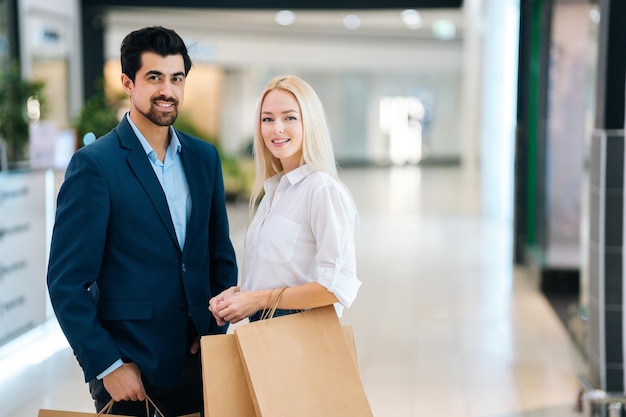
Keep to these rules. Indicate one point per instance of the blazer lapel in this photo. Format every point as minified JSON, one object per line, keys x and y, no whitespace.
{"x":140,"y":165}
{"x":191,"y":160}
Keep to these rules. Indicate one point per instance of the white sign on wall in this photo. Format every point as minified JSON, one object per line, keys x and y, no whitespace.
{"x":22,"y":253}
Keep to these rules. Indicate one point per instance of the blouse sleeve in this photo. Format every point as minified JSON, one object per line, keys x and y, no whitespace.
{"x":333,"y":219}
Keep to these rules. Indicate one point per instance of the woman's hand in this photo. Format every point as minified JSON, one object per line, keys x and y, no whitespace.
{"x":214,"y":303}
{"x":238,"y":306}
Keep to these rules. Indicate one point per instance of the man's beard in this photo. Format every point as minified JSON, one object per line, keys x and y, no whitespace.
{"x":159,"y":118}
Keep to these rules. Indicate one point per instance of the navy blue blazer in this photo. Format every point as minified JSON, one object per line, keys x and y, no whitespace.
{"x":119,"y":283}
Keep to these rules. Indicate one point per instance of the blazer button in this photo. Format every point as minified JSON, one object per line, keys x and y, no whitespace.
{"x":184,"y":267}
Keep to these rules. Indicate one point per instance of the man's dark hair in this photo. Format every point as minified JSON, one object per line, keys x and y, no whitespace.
{"x":155,"y":39}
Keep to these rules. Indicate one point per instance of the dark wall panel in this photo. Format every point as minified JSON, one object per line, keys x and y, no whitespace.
{"x":295,"y":4}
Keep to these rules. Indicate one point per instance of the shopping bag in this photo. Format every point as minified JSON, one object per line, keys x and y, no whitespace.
{"x":348,"y":333}
{"x":301,"y":365}
{"x":226,"y":392}
{"x":104,"y":412}
{"x":60,"y":413}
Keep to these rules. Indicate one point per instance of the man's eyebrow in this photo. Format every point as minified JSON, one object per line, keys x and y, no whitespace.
{"x":176,"y":74}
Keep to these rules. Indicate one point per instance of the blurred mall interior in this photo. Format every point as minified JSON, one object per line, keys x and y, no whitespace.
{"x":483,"y":141}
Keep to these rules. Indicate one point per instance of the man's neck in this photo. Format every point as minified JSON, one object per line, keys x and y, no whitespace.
{"x":157,"y":136}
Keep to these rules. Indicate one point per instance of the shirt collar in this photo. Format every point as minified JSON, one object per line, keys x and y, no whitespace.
{"x":174,"y":147}
{"x":293,"y":177}
{"x":298,"y":174}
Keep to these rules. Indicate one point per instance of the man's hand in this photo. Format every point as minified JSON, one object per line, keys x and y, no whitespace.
{"x":124,"y":383}
{"x":195,"y":346}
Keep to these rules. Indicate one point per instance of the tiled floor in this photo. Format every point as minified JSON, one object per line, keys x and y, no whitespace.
{"x":444,"y":324}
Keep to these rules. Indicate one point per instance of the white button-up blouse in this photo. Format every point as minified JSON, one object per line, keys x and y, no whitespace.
{"x":303,"y":231}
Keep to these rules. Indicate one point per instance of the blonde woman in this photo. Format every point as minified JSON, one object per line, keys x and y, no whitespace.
{"x":301,"y":236}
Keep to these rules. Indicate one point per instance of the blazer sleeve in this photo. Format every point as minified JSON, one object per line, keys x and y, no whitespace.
{"x":76,"y":252}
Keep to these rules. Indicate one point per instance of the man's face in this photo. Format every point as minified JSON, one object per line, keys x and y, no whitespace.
{"x":158,"y":89}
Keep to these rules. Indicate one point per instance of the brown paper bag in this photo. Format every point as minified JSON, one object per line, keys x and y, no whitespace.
{"x":59,"y":413}
{"x":104,"y":412}
{"x":226,"y":392}
{"x":301,"y":365}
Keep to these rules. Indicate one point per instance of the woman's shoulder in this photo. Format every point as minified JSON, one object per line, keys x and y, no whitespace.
{"x":320,"y":180}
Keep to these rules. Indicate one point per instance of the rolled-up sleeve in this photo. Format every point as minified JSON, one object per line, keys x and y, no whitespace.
{"x":341,"y":280}
{"x":333,"y":222}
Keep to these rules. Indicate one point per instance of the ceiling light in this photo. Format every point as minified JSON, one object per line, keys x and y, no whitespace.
{"x":444,"y":29}
{"x":352,"y":22}
{"x":411,"y":18}
{"x":595,"y":15}
{"x":285,"y":17}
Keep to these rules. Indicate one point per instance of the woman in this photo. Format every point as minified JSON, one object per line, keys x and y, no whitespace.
{"x":300,"y":242}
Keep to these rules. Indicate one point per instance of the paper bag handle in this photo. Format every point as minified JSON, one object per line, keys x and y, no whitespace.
{"x":107,"y":408}
{"x":268,"y":314}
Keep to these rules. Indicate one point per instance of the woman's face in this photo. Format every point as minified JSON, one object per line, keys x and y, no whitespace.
{"x":281,"y":128}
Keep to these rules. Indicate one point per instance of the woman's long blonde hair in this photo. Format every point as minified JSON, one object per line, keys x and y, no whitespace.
{"x":317,"y":148}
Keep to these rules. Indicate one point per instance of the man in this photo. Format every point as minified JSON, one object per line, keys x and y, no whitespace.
{"x":141,"y":242}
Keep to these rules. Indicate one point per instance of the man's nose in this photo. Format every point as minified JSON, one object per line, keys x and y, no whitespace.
{"x":166,"y":88}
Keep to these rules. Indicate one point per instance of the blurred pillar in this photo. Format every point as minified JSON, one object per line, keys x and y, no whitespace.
{"x":93,"y":46}
{"x":472,"y":86}
{"x":498,"y":96}
{"x":606,"y":205}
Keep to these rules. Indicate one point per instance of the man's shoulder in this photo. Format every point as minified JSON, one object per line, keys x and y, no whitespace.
{"x":194,"y":142}
{"x":101,"y":144}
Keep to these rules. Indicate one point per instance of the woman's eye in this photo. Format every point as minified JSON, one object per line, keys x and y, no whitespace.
{"x":266,"y":119}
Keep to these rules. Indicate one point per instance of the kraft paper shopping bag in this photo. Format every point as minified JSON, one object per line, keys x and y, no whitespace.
{"x":301,"y":365}
{"x":60,"y":413}
{"x":103,"y":413}
{"x":226,"y":392}
{"x":43,"y":412}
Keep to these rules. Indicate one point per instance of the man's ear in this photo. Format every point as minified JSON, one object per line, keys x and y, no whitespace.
{"x":127,"y":84}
